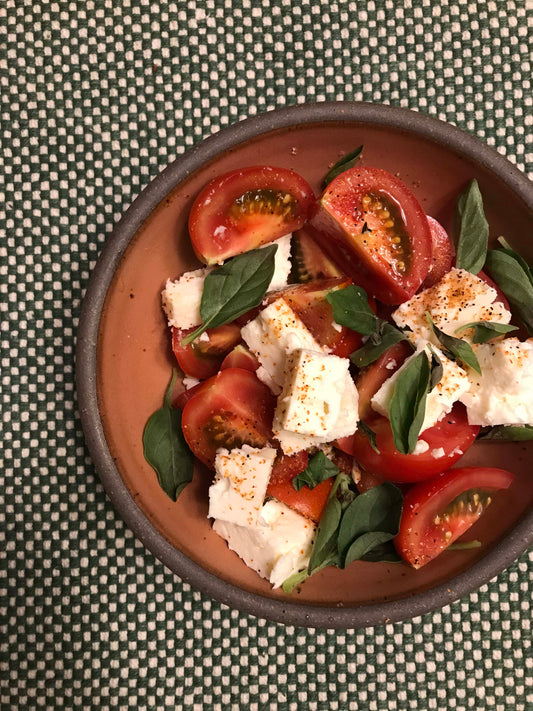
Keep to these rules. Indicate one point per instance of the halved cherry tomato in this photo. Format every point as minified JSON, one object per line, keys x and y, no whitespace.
{"x":311,"y":262}
{"x":230,"y":409}
{"x":202,"y":358}
{"x":438,"y":511}
{"x":183,"y":398}
{"x":246,"y":208}
{"x":447,"y":441}
{"x":373,"y":226}
{"x":240,"y":357}
{"x":442,"y":253}
{"x":308,"y":502}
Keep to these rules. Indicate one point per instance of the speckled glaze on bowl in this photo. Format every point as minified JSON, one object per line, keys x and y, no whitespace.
{"x":124,"y":358}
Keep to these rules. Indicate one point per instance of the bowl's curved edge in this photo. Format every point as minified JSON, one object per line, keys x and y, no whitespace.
{"x":502,"y":555}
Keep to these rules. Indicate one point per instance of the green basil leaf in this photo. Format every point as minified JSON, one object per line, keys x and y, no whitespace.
{"x":486,"y":330}
{"x":318,"y":469}
{"x":351,"y":309}
{"x":382,"y":339}
{"x":507,"y":433}
{"x":369,"y":433}
{"x":345,"y":163}
{"x":436,"y":368}
{"x":294,"y":580}
{"x":515,"y":282}
{"x":383,"y":552}
{"x":455,"y":348}
{"x":474,"y":230}
{"x":464,"y":545}
{"x":363,"y":545}
{"x":234,"y":288}
{"x":165,"y":448}
{"x":325,"y":543}
{"x":408,"y":403}
{"x":506,"y":247}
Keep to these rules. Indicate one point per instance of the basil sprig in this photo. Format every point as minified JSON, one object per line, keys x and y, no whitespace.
{"x":513,"y":275}
{"x":507,"y":433}
{"x":351,"y":309}
{"x":354,"y":527}
{"x":234,"y":288}
{"x":455,"y":348}
{"x":319,"y":468}
{"x":165,"y":448}
{"x":486,"y":330}
{"x":345,"y":163}
{"x":407,"y":406}
{"x":473,"y":230}
{"x":369,"y":434}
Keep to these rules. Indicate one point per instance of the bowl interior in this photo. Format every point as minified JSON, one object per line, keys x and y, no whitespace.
{"x":135,"y":358}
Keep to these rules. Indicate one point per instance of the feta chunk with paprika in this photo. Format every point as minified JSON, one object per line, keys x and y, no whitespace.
{"x":181,"y":299}
{"x":503,"y":393}
{"x":276,"y":546}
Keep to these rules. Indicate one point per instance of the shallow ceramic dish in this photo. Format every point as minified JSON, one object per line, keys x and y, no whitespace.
{"x":124,"y":358}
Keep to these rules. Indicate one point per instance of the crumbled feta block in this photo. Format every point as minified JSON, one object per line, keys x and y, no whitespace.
{"x":457,"y":299}
{"x":265,"y":377}
{"x":440,"y":400}
{"x":503,"y":393}
{"x":438,"y":452}
{"x":421,"y":447}
{"x":273,"y":334}
{"x":241,"y":479}
{"x":282,"y":263}
{"x":181,"y":299}
{"x":189,"y":382}
{"x":276,"y":546}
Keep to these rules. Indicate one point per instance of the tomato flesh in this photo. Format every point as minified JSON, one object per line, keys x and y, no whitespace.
{"x":240,"y":357}
{"x":246,"y":208}
{"x":442,"y":253}
{"x":373,"y":226}
{"x":310,"y":261}
{"x":448,"y":440}
{"x":230,"y":409}
{"x":437,"y":512}
{"x":202,"y":358}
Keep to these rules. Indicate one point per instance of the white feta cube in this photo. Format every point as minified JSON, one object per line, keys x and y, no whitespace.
{"x":181,"y":299}
{"x":241,"y":479}
{"x":503,"y":393}
{"x":276,"y":546}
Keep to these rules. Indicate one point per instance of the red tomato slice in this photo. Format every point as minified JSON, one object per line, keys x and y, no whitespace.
{"x":372,"y":225}
{"x":240,"y":357}
{"x":438,"y":511}
{"x":450,"y":438}
{"x":308,"y":502}
{"x":442,"y":253}
{"x":311,"y":262}
{"x":202,"y":358}
{"x":230,"y":409}
{"x":246,"y":208}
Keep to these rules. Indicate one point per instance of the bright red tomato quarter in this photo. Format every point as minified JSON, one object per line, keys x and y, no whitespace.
{"x":202,"y":358}
{"x":246,"y":208}
{"x":373,"y":226}
{"x":437,"y":512}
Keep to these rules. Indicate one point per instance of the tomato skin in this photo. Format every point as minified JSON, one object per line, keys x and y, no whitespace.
{"x":442,"y":253}
{"x":425,"y":531}
{"x":453,"y":434}
{"x":500,"y":296}
{"x":307,"y":502}
{"x":231,"y":408}
{"x":221,"y":226}
{"x":202,"y":359}
{"x":240,"y":357}
{"x":340,"y":221}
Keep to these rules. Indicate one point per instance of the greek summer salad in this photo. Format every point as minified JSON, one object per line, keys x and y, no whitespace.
{"x":339,"y":355}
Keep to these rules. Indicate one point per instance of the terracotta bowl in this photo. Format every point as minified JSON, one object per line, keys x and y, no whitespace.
{"x":124,"y":359}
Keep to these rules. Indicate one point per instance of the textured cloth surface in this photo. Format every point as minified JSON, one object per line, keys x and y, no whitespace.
{"x":96,"y":98}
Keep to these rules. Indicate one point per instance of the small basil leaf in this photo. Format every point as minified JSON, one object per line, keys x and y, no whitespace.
{"x":369,"y":433}
{"x":455,"y":348}
{"x":386,"y":336}
{"x":351,"y":309}
{"x":363,"y":545}
{"x":486,"y":330}
{"x":318,"y":469}
{"x":408,"y":403}
{"x":507,"y":433}
{"x":515,"y":282}
{"x":294,"y":580}
{"x":234,"y":288}
{"x":165,"y":448}
{"x":325,"y":543}
{"x":437,"y":369}
{"x":464,"y":545}
{"x":506,"y":247}
{"x":474,"y":230}
{"x":383,"y":552}
{"x":345,"y":163}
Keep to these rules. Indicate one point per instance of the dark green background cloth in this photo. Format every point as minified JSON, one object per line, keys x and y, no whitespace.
{"x":97,"y":98}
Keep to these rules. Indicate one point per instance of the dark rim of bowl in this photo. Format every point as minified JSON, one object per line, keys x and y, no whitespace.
{"x":499,"y":557}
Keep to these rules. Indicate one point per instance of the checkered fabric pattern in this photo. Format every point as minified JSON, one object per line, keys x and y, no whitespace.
{"x":96,"y":98}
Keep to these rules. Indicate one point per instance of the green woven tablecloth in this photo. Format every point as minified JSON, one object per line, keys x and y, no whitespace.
{"x":96,"y":98}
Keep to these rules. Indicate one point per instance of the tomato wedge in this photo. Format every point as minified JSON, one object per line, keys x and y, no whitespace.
{"x":246,"y":208}
{"x":447,"y":441}
{"x":310,"y":261}
{"x":373,"y":226}
{"x":437,"y":512}
{"x":442,"y":253}
{"x":230,"y":409}
{"x":202,"y":358}
{"x":240,"y":357}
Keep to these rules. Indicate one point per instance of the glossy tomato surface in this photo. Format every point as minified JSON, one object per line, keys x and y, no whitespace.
{"x":374,"y":227}
{"x":447,"y":441}
{"x":230,"y":409}
{"x":442,"y":253}
{"x":310,"y":262}
{"x":438,"y":511}
{"x":240,"y":357}
{"x":246,"y":208}
{"x":202,"y":358}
